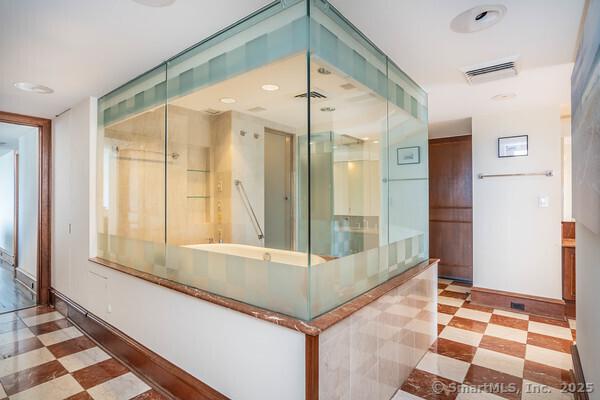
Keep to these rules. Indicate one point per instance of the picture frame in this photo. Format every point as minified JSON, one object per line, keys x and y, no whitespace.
{"x":513,"y":146}
{"x":408,"y":155}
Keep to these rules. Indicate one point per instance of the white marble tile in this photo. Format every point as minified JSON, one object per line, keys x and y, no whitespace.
{"x":550,"y":330}
{"x":461,"y":336}
{"x":473,"y":394}
{"x":25,"y":360}
{"x":450,"y":301}
{"x":553,"y":358}
{"x":42,"y":318}
{"x":474,"y":314}
{"x":511,"y":314}
{"x":504,"y":332}
{"x":82,"y":359}
{"x":405,"y":311}
{"x":440,"y":291}
{"x":2,"y":392}
{"x":443,"y":366}
{"x":499,"y":362}
{"x":537,"y":391}
{"x":15,"y":336}
{"x":56,"y":389}
{"x":459,"y":289}
{"x":425,"y":327}
{"x":60,"y":335}
{"x":402,"y":395}
{"x":572,"y":324}
{"x":121,"y":388}
{"x":8,"y":317}
{"x":444,"y":318}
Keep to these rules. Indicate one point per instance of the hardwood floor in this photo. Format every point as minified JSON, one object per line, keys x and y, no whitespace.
{"x":13,"y":296}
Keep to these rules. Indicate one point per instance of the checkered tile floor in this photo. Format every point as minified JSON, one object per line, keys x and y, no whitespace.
{"x":485,"y":353}
{"x":43,"y":356}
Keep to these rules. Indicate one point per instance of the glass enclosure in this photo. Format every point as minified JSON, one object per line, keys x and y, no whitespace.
{"x":281,"y":162}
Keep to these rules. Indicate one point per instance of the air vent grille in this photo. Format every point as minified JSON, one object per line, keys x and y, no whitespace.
{"x":313,"y":95}
{"x":500,"y":69}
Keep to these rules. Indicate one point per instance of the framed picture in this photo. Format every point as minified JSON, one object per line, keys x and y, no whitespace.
{"x":513,"y":146}
{"x":408,"y":155}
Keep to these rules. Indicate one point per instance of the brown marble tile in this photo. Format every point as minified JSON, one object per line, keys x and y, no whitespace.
{"x":440,"y":328}
{"x":80,"y":396}
{"x":452,"y":349}
{"x":509,"y":322}
{"x":51,"y":326}
{"x":99,"y":373}
{"x":443,"y":308}
{"x":22,"y":346}
{"x":545,"y":374}
{"x":150,"y":395}
{"x":422,"y":384}
{"x":11,"y":326}
{"x":477,"y":307}
{"x":468,"y":324}
{"x":549,"y":342}
{"x":456,"y":295}
{"x":551,"y":321}
{"x":31,"y":377}
{"x":574,"y":333}
{"x":71,"y":346}
{"x":442,"y":285}
{"x":505,"y":346}
{"x":30,"y":312}
{"x":496,"y":382}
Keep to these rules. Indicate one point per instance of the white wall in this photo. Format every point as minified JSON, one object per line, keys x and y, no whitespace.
{"x":240,"y":356}
{"x":7,"y":205}
{"x":28,"y":203}
{"x":516,"y":244}
{"x":567,"y":168}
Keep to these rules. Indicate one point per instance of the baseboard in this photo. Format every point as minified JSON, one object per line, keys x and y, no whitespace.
{"x":26,"y":280}
{"x":554,"y":308}
{"x":570,"y":309}
{"x":158,"y":371}
{"x":578,"y":377}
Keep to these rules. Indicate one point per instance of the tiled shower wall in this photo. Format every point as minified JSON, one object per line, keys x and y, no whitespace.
{"x":371,"y":353}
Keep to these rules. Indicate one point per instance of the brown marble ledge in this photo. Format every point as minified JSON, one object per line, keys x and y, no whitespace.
{"x":312,"y":328}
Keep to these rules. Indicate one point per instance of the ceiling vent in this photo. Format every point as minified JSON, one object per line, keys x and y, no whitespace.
{"x":491,"y":71}
{"x":313,"y":95}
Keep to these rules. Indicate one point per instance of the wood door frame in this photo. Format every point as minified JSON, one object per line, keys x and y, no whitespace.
{"x":44,"y":199}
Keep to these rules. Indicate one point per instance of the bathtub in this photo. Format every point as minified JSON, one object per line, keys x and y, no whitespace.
{"x":259,"y":253}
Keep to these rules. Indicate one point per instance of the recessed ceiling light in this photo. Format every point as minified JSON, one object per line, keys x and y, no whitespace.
{"x":504,"y":96}
{"x":376,"y":141}
{"x":155,"y":3}
{"x":324,"y":71}
{"x":227,"y":100}
{"x":328,"y":109}
{"x":269,"y":87}
{"x":33,"y":87}
{"x":478,"y":18}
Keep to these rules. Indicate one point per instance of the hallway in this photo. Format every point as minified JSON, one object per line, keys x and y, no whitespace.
{"x":13,"y":296}
{"x":511,"y":355}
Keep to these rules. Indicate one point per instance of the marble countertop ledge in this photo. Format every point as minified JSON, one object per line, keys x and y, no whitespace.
{"x":312,"y":328}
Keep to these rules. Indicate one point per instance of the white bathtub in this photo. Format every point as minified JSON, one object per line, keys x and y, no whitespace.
{"x":259,"y":253}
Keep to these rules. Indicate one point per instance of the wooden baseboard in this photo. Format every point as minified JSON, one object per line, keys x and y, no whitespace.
{"x":570,"y":309}
{"x":578,"y":377}
{"x":158,"y":371}
{"x":554,"y":308}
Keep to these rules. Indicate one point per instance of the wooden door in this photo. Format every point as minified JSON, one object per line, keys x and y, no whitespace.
{"x":451,"y":206}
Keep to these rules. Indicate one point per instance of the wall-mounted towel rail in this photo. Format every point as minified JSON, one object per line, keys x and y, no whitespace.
{"x":246,"y":200}
{"x":548,"y":173}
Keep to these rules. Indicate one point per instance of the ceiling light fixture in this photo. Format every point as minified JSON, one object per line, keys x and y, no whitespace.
{"x":269,"y":87}
{"x":227,"y":100}
{"x":155,"y":3}
{"x":504,"y":96}
{"x":478,"y":18}
{"x":376,"y":141}
{"x":33,"y":87}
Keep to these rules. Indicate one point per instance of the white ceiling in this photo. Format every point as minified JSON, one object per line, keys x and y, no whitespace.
{"x":82,"y":48}
{"x":10,"y":134}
